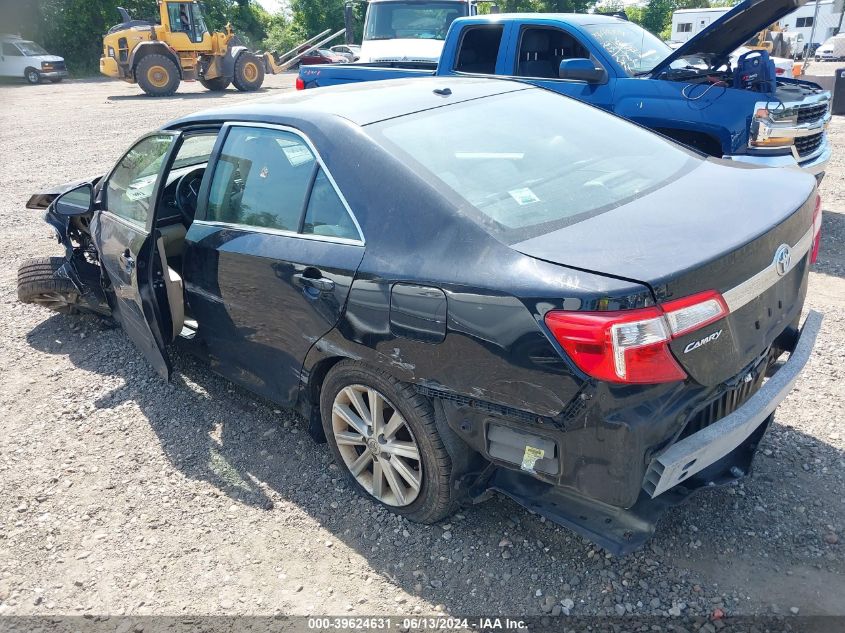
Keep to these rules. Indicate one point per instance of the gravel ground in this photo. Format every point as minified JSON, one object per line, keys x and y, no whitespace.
{"x":120,"y":494}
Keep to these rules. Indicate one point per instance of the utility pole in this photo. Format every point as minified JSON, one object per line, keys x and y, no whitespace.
{"x":348,"y":22}
{"x":813,"y":30}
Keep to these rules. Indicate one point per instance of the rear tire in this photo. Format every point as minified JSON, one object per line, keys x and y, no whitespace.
{"x":157,"y":75}
{"x":38,"y":284}
{"x":218,"y":84}
{"x":249,"y":72}
{"x":32,"y":76}
{"x":351,"y":385}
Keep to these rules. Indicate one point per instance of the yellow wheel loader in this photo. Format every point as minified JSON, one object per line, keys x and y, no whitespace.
{"x":157,"y":56}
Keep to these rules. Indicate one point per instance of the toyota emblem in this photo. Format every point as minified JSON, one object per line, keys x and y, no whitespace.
{"x":783,"y":258}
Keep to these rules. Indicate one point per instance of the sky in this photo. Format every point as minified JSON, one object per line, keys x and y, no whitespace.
{"x":271,"y":5}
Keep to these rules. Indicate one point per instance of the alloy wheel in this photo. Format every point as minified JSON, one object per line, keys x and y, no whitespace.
{"x":377,"y":445}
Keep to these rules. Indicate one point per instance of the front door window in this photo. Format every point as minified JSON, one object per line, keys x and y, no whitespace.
{"x":131,"y":186}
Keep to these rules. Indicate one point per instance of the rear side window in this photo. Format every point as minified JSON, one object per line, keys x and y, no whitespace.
{"x":261,"y":179}
{"x":479,"y":50}
{"x":326,"y":214}
{"x":558,"y":162}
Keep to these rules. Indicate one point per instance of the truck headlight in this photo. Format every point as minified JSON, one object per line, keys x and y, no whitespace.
{"x":111,"y":52}
{"x":764,"y":134}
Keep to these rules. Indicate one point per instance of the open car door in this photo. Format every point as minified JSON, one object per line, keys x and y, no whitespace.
{"x":124,"y":234}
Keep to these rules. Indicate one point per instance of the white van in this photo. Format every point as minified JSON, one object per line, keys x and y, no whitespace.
{"x":22,"y":58}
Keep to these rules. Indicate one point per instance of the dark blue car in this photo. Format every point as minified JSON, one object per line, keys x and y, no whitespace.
{"x":463,"y":285}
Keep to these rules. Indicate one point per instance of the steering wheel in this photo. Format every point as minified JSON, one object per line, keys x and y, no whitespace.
{"x":187,"y":194}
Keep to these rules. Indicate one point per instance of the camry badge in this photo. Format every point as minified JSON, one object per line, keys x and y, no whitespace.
{"x":704,"y":341}
{"x":783,"y":258}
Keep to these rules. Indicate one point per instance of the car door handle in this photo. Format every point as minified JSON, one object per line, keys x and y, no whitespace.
{"x":323,"y":284}
{"x":127,"y":261}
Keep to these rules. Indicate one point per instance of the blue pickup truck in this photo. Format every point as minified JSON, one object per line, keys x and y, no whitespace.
{"x":701,"y":94}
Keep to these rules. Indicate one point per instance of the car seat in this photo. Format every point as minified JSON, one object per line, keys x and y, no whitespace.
{"x":534,"y":56}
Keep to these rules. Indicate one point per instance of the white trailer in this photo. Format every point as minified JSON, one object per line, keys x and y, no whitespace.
{"x":689,"y":22}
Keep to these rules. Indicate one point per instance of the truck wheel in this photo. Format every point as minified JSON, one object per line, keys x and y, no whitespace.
{"x":32,"y":76}
{"x":217,"y":84}
{"x":38,"y":283}
{"x":157,"y":75}
{"x":382,"y":433}
{"x":249,"y":72}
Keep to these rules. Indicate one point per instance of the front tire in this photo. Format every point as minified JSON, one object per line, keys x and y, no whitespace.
{"x":249,"y":72}
{"x":382,"y":433}
{"x":39,"y":284}
{"x":157,"y":75}
{"x":218,"y":84}
{"x":32,"y":76}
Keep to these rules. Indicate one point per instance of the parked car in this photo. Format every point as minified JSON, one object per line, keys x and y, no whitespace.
{"x":350,"y":51}
{"x":323,"y":56}
{"x":528,"y":311}
{"x":833,"y":49}
{"x":695,"y":94}
{"x":23,"y":58}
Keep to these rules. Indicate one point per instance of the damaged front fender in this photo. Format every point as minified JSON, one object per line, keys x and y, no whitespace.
{"x":81,"y":259}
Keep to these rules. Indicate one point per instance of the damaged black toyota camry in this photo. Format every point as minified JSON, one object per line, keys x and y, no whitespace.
{"x":463,"y":285}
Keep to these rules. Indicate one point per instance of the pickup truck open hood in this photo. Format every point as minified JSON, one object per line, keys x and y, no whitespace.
{"x":732,"y":30}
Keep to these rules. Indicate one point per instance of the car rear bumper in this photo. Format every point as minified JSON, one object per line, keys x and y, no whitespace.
{"x":698,"y":451}
{"x":718,"y":453}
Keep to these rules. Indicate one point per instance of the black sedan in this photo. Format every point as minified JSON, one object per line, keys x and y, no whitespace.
{"x":463,"y":285}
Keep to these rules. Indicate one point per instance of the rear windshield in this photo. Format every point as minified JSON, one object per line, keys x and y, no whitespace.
{"x":532,"y":161}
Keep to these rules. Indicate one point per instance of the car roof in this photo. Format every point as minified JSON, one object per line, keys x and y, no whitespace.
{"x":572,"y":18}
{"x":362,"y":103}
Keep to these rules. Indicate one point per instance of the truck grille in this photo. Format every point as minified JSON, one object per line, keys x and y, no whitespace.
{"x":726,"y":403}
{"x":801,"y":115}
{"x":812,"y":113}
{"x":806,"y":145}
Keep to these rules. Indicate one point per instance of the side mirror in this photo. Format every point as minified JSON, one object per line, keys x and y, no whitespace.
{"x":77,"y":201}
{"x":579,"y":69}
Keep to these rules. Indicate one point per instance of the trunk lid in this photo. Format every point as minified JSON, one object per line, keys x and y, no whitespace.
{"x":732,"y":30}
{"x":715,"y":228}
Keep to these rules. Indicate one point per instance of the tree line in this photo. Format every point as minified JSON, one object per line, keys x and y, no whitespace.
{"x":74,"y":28}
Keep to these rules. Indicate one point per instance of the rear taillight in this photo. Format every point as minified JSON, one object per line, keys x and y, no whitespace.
{"x":817,"y":230}
{"x":300,"y":85}
{"x":779,"y":71}
{"x":632,"y":346}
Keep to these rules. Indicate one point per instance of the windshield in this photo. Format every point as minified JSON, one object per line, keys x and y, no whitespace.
{"x":411,"y":20}
{"x":557,"y":163}
{"x":633,"y":48}
{"x":31,"y":48}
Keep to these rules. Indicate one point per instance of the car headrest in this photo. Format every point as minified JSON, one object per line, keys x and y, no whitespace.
{"x":536,"y":42}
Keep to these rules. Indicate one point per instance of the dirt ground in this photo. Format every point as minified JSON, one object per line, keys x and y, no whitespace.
{"x":120,"y":494}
